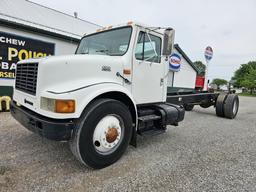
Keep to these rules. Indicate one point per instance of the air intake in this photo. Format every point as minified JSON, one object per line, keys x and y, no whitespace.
{"x":26,"y":77}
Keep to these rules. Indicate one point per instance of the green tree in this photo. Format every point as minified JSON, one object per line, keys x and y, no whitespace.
{"x":249,"y":81}
{"x":245,"y":76}
{"x":200,"y":66}
{"x":219,"y":82}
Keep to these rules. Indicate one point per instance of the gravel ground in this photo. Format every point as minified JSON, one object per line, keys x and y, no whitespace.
{"x":204,"y":153}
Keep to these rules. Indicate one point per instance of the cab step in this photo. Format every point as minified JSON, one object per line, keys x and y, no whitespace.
{"x":147,"y":124}
{"x":152,"y":131}
{"x":147,"y":118}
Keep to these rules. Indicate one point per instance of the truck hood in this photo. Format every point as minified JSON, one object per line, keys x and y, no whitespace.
{"x":60,"y":74}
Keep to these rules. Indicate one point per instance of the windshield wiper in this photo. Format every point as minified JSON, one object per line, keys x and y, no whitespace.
{"x":84,"y":53}
{"x":102,"y":51}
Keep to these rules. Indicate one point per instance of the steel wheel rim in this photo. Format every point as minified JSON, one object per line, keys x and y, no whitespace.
{"x":235,"y":107}
{"x":105,"y":140}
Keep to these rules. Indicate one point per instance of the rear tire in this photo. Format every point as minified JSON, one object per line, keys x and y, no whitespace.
{"x":188,"y":107}
{"x":90,"y":142}
{"x":231,"y":106}
{"x":220,"y":105}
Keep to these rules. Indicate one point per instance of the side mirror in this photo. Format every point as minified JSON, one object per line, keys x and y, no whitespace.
{"x":168,"y":41}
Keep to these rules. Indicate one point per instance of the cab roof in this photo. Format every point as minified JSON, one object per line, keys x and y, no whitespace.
{"x":133,"y":24}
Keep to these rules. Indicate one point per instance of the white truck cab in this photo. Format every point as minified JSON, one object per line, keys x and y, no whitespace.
{"x":99,"y":98}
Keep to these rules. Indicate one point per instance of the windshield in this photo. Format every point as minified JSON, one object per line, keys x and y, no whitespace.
{"x":114,"y":42}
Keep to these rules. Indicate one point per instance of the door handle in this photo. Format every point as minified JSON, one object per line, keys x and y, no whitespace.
{"x":161,"y":82}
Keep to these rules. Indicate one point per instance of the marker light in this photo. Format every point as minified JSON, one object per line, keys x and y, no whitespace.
{"x":127,"y":71}
{"x":129,"y":23}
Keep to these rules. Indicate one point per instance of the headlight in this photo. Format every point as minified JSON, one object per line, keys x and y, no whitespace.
{"x":64,"y":106}
{"x":57,"y":105}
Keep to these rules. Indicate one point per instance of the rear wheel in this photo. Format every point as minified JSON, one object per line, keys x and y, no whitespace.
{"x":188,"y":107}
{"x":102,"y":134}
{"x":220,"y":105}
{"x":231,"y":106}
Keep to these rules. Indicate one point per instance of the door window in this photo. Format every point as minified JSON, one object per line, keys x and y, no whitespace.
{"x":148,"y":50}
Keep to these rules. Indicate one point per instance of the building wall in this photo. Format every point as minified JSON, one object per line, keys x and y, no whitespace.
{"x":185,"y":78}
{"x":62,"y":47}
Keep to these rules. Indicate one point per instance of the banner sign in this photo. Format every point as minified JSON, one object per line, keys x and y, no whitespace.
{"x":208,"y":53}
{"x":174,"y":62}
{"x":14,"y":48}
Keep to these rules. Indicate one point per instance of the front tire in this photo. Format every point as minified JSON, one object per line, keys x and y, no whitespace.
{"x":103,"y":133}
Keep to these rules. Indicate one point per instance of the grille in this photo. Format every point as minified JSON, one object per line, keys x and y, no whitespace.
{"x":26,"y":77}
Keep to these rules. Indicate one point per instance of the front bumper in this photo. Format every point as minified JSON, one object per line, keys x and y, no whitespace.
{"x":54,"y":129}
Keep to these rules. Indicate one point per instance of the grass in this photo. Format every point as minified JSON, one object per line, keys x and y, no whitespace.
{"x":247,"y":94}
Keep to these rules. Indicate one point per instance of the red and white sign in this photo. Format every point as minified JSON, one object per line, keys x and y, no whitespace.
{"x":208,"y":53}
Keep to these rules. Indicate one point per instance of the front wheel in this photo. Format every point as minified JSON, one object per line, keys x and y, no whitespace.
{"x":102,"y":134}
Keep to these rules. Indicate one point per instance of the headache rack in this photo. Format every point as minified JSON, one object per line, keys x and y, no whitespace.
{"x":26,"y":77}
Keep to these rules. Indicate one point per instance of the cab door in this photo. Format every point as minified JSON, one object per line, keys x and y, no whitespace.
{"x":148,"y":71}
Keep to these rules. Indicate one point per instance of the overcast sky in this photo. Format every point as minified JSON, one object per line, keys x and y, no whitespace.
{"x":229,"y":26}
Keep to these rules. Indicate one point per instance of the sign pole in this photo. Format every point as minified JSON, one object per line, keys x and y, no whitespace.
{"x":208,"y":56}
{"x":206,"y":76}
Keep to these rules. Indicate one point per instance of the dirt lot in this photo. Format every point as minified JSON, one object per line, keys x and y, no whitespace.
{"x":204,"y":153}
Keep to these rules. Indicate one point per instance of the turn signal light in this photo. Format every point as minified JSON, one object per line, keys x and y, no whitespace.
{"x":64,"y":106}
{"x":130,"y":23}
{"x":127,"y":71}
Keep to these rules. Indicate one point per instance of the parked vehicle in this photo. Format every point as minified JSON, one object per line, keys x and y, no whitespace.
{"x":113,"y":88}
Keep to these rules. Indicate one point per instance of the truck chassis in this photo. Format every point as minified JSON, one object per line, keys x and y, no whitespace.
{"x":226,"y":104}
